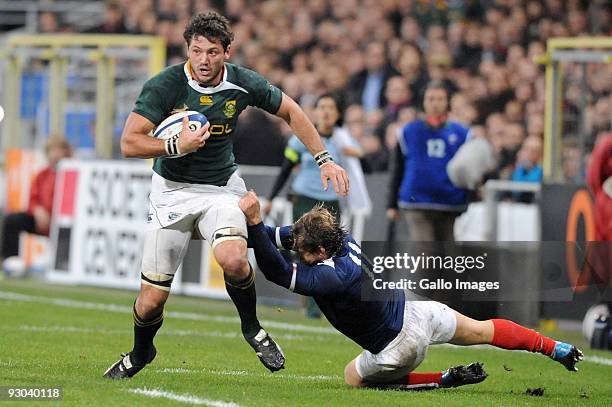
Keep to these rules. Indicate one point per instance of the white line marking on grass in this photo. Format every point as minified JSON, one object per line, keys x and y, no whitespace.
{"x":599,"y":360}
{"x":173,"y":370}
{"x":181,"y":398}
{"x":122,"y":309}
{"x":7,"y":295}
{"x":170,"y":332}
{"x":180,"y":370}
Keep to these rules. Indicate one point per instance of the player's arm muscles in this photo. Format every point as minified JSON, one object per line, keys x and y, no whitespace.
{"x":303,"y":128}
{"x":135,"y":139}
{"x":302,"y":279}
{"x":280,"y":236}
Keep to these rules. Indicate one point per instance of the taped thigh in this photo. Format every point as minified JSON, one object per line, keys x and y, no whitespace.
{"x":164,"y":250}
{"x":222,"y":224}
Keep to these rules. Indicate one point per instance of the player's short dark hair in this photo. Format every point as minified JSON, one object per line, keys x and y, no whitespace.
{"x":318,"y":228}
{"x":211,"y":25}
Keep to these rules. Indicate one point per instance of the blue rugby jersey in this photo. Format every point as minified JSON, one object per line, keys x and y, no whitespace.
{"x":425,"y":183}
{"x":335,"y":285}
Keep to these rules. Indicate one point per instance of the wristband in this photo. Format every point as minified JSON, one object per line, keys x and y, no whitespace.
{"x":323,"y":157}
{"x":325,"y":161}
{"x":171,"y":146}
{"x":320,"y":153}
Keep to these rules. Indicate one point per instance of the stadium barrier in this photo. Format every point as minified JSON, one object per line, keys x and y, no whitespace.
{"x":97,"y":229}
{"x":100,"y":213}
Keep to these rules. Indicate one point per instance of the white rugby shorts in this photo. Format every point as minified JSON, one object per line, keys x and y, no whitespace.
{"x":178,"y":209}
{"x":425,"y":323}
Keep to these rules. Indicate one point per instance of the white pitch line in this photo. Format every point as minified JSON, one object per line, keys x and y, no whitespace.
{"x":180,"y":370}
{"x":181,"y":398}
{"x":122,"y":309}
{"x":12,"y":296}
{"x":599,"y":360}
{"x":171,"y":332}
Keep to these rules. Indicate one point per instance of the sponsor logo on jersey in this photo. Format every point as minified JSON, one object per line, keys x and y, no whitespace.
{"x":206,"y":100}
{"x":230,"y":109}
{"x":453,"y":138}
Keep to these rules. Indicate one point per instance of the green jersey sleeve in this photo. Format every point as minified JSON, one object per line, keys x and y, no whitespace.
{"x":263,"y":94}
{"x":151,"y":103}
{"x":159,"y":94}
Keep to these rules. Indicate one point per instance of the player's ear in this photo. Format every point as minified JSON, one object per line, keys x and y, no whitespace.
{"x":322,"y":252}
{"x":227,"y":51}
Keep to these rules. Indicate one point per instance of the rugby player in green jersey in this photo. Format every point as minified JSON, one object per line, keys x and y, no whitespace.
{"x":199,"y":192}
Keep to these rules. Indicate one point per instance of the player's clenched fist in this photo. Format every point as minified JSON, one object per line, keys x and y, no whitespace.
{"x":191,"y":140}
{"x":249,"y":204}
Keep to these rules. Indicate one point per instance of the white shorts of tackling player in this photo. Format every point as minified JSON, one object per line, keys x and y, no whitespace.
{"x":425,"y":323}
{"x":178,"y":209}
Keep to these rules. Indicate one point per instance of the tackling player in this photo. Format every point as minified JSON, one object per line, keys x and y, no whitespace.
{"x":199,"y":192}
{"x":395,"y":333}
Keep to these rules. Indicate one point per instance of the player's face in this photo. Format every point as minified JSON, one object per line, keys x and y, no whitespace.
{"x":206,"y":59}
{"x":326,"y":113}
{"x":310,"y":258}
{"x":435,"y":102}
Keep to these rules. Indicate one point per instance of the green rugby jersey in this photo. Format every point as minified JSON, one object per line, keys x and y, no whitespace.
{"x":174,"y":89}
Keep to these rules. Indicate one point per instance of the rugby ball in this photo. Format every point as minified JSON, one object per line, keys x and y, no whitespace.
{"x":173,"y":125}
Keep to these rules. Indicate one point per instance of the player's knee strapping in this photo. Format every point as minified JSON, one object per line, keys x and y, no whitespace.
{"x":243,"y":283}
{"x":158,"y":280}
{"x":229,"y":233}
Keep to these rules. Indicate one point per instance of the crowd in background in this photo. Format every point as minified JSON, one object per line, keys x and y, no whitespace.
{"x":377,"y":56}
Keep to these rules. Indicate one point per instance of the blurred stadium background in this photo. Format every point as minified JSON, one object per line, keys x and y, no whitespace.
{"x":515,"y":69}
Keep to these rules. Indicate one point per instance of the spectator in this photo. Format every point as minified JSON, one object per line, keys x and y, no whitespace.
{"x":528,"y":167}
{"x":113,"y":21}
{"x":398,"y":96}
{"x":367,"y":87}
{"x":375,"y":157}
{"x":462,"y":110}
{"x":420,"y":184}
{"x":37,"y":218}
{"x":48,"y":23}
{"x":410,"y":65}
{"x":498,"y":94}
{"x":308,"y":192}
{"x":571,"y":162}
{"x":484,"y":50}
{"x":338,"y":142}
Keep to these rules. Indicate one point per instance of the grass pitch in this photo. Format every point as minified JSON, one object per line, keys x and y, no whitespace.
{"x":68,"y":336}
